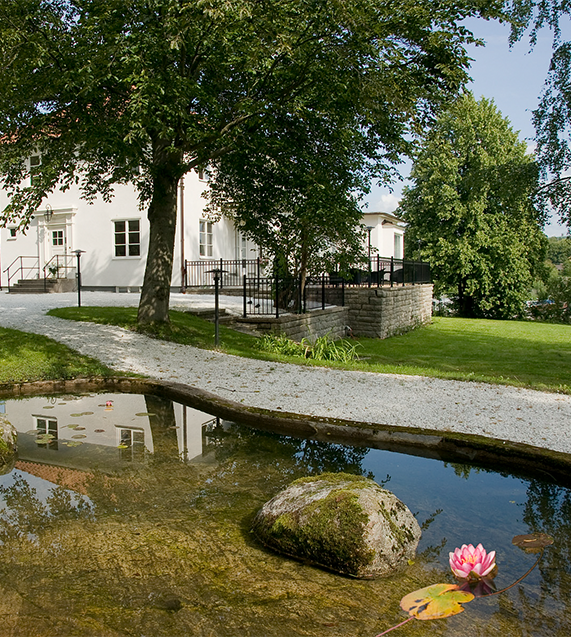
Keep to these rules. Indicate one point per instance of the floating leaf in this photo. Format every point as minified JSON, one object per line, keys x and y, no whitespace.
{"x":48,"y":407}
{"x":79,"y":436}
{"x":145,"y":414}
{"x":532,"y":542}
{"x":436,"y":601}
{"x":78,"y":428}
{"x":44,"y":438}
{"x":99,"y":431}
{"x":83,"y":413}
{"x":73,"y":443}
{"x":122,"y":446}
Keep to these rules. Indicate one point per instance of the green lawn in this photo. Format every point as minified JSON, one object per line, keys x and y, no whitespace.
{"x":28,"y":357}
{"x":520,"y":353}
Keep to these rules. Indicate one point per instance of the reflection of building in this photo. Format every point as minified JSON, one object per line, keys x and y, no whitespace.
{"x":106,"y":430}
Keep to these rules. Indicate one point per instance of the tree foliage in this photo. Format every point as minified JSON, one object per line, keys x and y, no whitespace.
{"x":552,"y":118}
{"x":142,"y":91}
{"x":559,"y":250}
{"x":471,"y":211}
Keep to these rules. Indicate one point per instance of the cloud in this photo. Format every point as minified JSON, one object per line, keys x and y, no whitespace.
{"x":386,"y":202}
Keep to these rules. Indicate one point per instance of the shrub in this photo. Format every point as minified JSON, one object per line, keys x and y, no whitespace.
{"x":324,"y":348}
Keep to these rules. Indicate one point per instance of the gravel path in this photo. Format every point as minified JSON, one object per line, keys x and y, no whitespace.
{"x":520,"y":415}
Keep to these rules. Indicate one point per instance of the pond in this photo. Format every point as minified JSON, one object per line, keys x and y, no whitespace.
{"x":130,"y":515}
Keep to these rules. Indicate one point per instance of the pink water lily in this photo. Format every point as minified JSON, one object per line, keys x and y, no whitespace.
{"x":472,"y":563}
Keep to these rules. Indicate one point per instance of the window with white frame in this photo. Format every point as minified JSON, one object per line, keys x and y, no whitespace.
{"x":35,"y":167}
{"x":398,"y":246}
{"x":205,"y":238}
{"x":127,"y":238}
{"x":131,"y":444}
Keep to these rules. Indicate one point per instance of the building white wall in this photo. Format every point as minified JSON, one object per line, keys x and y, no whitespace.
{"x":384,"y":227}
{"x":90,"y":227}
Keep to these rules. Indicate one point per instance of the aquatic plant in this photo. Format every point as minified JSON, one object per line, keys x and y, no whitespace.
{"x":445,"y":600}
{"x":472,"y":563}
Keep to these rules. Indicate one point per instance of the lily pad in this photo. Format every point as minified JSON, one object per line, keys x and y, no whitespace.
{"x":122,"y":446}
{"x":436,"y":601}
{"x":145,"y":414}
{"x":48,"y":406}
{"x":99,"y":431}
{"x":78,"y":428}
{"x":73,"y":443}
{"x":44,"y":438}
{"x":79,"y":436}
{"x":83,"y":413}
{"x":532,"y":542}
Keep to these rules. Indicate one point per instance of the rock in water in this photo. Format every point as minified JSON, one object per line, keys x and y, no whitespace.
{"x":345,"y":523}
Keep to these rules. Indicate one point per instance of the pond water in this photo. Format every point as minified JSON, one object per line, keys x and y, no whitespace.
{"x":130,"y":515}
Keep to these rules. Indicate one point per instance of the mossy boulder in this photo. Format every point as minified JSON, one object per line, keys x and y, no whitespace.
{"x":345,"y":523}
{"x":8,"y":445}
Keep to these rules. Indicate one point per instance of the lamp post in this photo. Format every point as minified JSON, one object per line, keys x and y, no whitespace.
{"x":78,"y":254}
{"x":217,"y":273}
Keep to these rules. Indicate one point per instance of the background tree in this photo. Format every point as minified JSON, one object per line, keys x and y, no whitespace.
{"x":559,"y":250}
{"x":142,"y":91}
{"x":471,"y":210}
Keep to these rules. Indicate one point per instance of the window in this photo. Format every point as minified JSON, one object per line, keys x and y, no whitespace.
{"x":127,"y":238}
{"x":205,"y":238}
{"x":12,"y":234}
{"x":398,"y":246}
{"x":47,"y":432}
{"x":35,"y":167}
{"x":131,"y":444}
{"x":57,"y":238}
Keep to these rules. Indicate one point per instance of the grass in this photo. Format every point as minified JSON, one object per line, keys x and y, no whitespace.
{"x":520,"y":353}
{"x":29,"y":357}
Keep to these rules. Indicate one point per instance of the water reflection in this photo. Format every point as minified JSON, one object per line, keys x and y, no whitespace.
{"x":133,"y":519}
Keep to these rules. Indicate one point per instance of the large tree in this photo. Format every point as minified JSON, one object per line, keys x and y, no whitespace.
{"x":552,"y":118}
{"x":142,"y":91}
{"x":471,"y":210}
{"x":294,"y":189}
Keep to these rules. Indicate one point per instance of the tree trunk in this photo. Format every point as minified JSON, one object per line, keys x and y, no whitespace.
{"x":162,"y":215}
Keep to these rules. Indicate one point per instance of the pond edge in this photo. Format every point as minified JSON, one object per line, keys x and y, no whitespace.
{"x":456,"y":447}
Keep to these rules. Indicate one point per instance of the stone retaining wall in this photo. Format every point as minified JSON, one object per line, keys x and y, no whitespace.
{"x":332,"y":321}
{"x":384,"y":312}
{"x":372,"y":312}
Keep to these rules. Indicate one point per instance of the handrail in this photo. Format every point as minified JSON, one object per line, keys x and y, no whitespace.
{"x":56,"y":263}
{"x":22,"y":268}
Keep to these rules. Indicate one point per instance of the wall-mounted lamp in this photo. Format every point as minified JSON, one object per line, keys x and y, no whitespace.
{"x":49,"y":213}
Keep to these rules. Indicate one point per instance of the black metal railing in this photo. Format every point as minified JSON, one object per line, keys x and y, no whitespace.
{"x":380,"y":271}
{"x":199,"y":274}
{"x":388,"y":271}
{"x":269,"y":296}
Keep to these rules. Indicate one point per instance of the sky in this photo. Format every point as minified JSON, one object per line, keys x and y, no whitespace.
{"x":513,"y":78}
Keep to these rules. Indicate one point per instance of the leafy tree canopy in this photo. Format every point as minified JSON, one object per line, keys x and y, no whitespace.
{"x":559,"y":250}
{"x":471,"y":211}
{"x":141,"y":91}
{"x":552,"y":118}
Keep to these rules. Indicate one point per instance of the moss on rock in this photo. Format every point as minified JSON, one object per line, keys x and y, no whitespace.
{"x":344,"y":523}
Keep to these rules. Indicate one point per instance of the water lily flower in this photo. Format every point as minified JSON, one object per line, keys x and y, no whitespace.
{"x":472,"y":563}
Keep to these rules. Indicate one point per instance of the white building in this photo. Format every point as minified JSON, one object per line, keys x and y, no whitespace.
{"x":114,"y":238}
